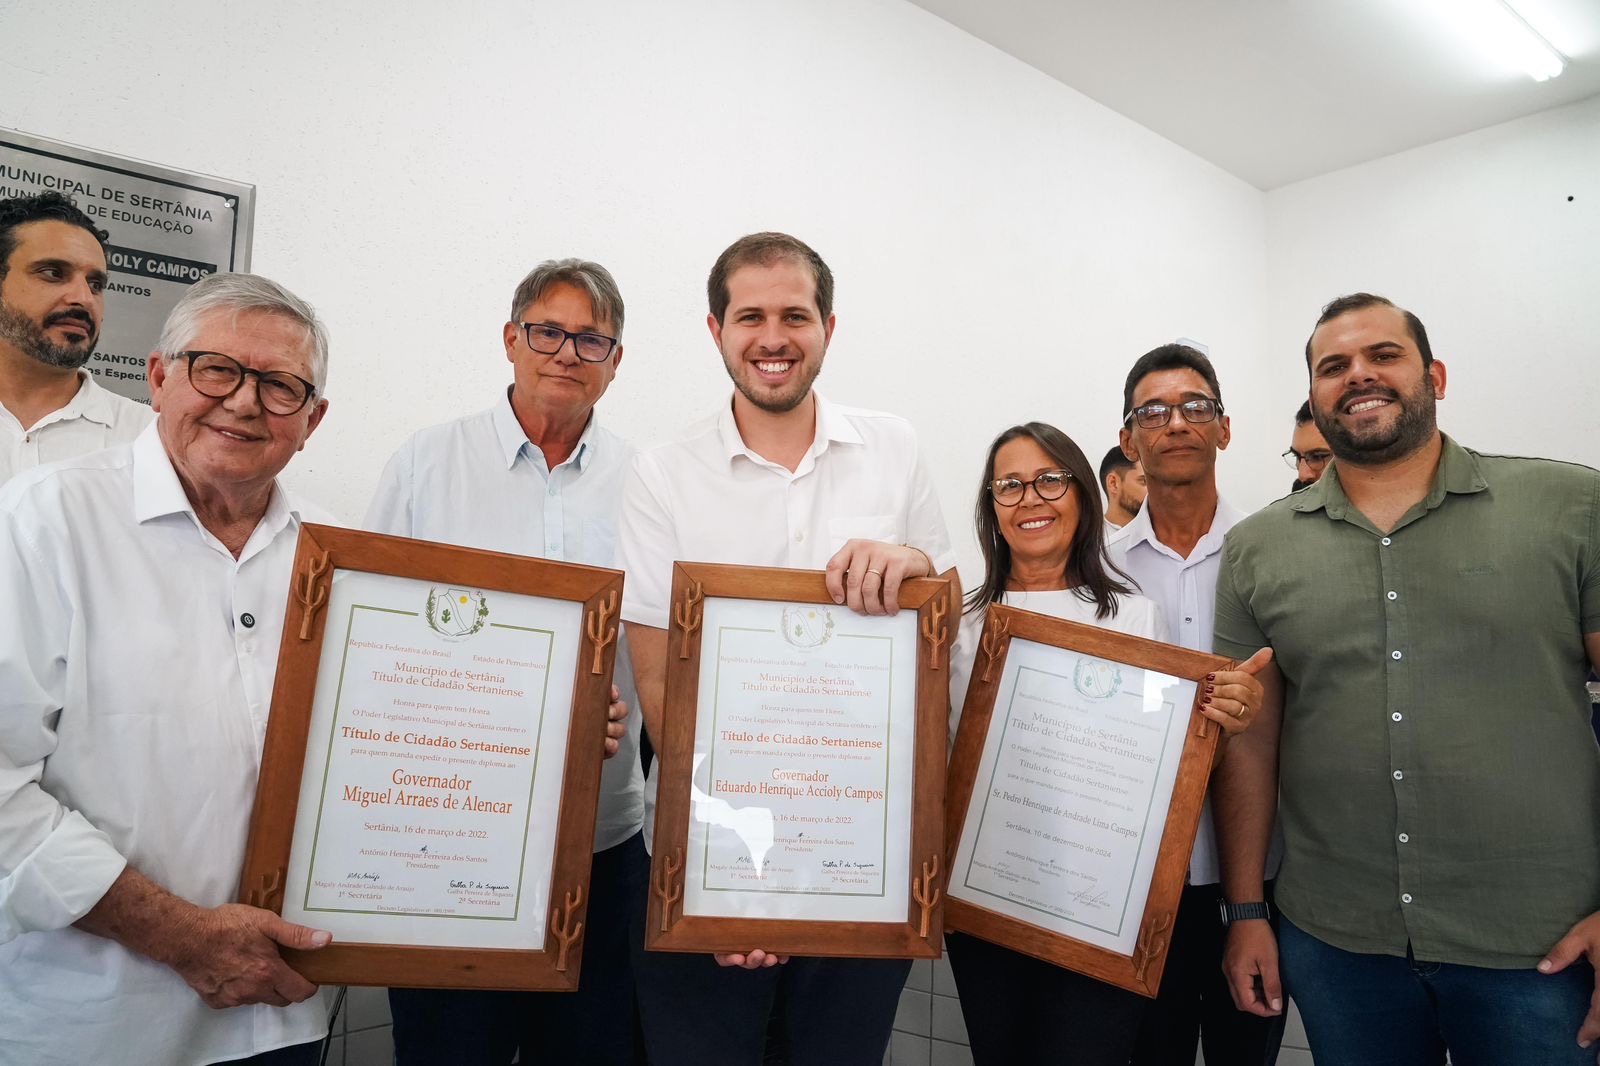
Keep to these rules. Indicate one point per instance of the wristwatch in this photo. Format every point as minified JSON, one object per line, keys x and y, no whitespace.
{"x":1238,"y":912}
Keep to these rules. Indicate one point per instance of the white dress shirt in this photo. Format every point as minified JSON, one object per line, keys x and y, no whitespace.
{"x":1136,"y":615}
{"x":708,"y":497}
{"x":95,"y":418}
{"x":478,"y":482}
{"x":135,"y":680}
{"x":1186,"y":590}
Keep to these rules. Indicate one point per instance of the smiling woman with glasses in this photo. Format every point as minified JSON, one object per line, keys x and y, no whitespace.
{"x":1042,"y":532}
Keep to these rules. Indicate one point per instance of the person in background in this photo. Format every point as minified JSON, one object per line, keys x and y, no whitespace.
{"x":52,"y":302}
{"x":1124,"y":484}
{"x":1308,"y":452}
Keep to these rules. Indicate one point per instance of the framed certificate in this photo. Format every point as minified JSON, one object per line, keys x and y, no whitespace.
{"x":1076,"y":786}
{"x":801,"y":800}
{"x":432,"y":762}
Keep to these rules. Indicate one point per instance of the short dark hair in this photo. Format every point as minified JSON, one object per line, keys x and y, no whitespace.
{"x":1114,"y":463}
{"x":1089,"y":572}
{"x":1358,"y":301}
{"x":40,"y":207}
{"x":1169,"y":357}
{"x":765,"y":249}
{"x":1303,"y":415}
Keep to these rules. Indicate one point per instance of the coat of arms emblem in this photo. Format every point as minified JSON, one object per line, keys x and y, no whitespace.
{"x":456,"y":614}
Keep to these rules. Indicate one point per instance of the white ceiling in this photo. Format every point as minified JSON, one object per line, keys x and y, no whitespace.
{"x":1275,"y":91}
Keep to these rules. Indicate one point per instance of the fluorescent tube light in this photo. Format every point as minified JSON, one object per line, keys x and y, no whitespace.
{"x":1501,"y":32}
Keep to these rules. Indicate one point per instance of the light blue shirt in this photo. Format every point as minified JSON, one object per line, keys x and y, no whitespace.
{"x":478,"y":482}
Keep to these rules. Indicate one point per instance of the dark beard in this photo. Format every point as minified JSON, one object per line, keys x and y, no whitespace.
{"x":1410,"y":431}
{"x":21,"y":331}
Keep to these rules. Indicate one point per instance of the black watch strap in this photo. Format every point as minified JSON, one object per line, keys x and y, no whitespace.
{"x":1238,"y":912}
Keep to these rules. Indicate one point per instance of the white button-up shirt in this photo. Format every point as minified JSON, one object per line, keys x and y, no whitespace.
{"x":134,"y":695}
{"x":708,"y":497}
{"x":1186,"y":590}
{"x":95,"y":418}
{"x":480,"y":483}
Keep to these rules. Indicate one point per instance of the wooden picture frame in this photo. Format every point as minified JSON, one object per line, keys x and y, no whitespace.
{"x":587,"y":656}
{"x":1140,"y":969}
{"x":915,"y":929}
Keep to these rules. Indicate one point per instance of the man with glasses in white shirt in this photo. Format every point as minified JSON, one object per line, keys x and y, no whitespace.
{"x":777,"y":476}
{"x":536,"y":474}
{"x":1175,"y":425}
{"x":134,"y":703}
{"x":52,"y":301}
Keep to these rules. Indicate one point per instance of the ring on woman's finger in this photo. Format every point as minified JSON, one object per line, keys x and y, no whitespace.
{"x":1239,"y":714}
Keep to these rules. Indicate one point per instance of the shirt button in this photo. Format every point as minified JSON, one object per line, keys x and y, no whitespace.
{"x":1394,"y":655}
{"x":800,"y":536}
{"x":247,"y":620}
{"x":1385,"y":542}
{"x":1394,"y":595}
{"x":1188,"y":619}
{"x":1405,"y":838}
{"x":1399,"y":775}
{"x":1396,"y":716}
{"x":1405,"y":897}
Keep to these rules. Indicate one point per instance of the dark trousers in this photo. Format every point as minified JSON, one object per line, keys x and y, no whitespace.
{"x":1194,"y":1005}
{"x":594,"y":1025}
{"x":1021,"y":1010}
{"x":1384,"y":1010}
{"x":294,"y":1055}
{"x":829,"y":1012}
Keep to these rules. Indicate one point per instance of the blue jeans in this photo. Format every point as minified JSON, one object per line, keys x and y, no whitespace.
{"x":1380,"y":1010}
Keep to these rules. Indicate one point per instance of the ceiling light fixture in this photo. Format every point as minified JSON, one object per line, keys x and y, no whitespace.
{"x":1499,"y":30}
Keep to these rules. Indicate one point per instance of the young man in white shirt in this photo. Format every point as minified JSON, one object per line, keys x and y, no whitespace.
{"x":52,"y":302}
{"x":536,"y":474}
{"x":1174,"y":426}
{"x":777,"y":476}
{"x":133,"y":706}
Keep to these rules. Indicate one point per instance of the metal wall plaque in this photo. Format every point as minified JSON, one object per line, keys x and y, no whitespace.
{"x":169,"y":228}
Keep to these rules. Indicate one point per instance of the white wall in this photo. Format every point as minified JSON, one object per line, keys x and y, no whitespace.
{"x":1478,"y":236}
{"x":1004,"y":247}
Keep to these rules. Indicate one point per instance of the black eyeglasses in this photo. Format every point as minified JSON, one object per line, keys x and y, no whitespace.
{"x":1156,"y":415}
{"x":1316,"y":458}
{"x":1050,"y":485}
{"x":219,"y":376}
{"x":547,"y":340}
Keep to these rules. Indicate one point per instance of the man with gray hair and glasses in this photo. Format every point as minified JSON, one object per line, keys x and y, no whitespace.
{"x":536,"y":474}
{"x":146,"y":583}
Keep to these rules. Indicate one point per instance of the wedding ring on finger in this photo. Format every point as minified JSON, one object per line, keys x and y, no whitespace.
{"x":1239,"y":714}
{"x":875,"y":573}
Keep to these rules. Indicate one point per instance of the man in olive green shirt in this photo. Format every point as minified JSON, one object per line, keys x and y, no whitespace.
{"x":1434,"y":613}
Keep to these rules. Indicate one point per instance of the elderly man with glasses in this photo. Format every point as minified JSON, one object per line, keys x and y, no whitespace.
{"x":536,"y":474}
{"x":146,"y":587}
{"x":1175,"y":425}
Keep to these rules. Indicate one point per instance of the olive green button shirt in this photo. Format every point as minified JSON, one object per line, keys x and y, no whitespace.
{"x":1439,"y":780}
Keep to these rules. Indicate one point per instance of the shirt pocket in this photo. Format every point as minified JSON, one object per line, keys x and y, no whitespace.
{"x":881,"y":527}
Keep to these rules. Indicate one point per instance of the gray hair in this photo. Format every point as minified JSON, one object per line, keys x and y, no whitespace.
{"x":591,"y":279}
{"x":239,"y":293}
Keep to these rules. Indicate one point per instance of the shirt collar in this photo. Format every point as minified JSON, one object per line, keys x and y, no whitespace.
{"x":513,"y":439}
{"x":91,"y":403}
{"x":832,"y":428}
{"x":1458,"y":473}
{"x":157,"y":492}
{"x":1141,"y":531}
